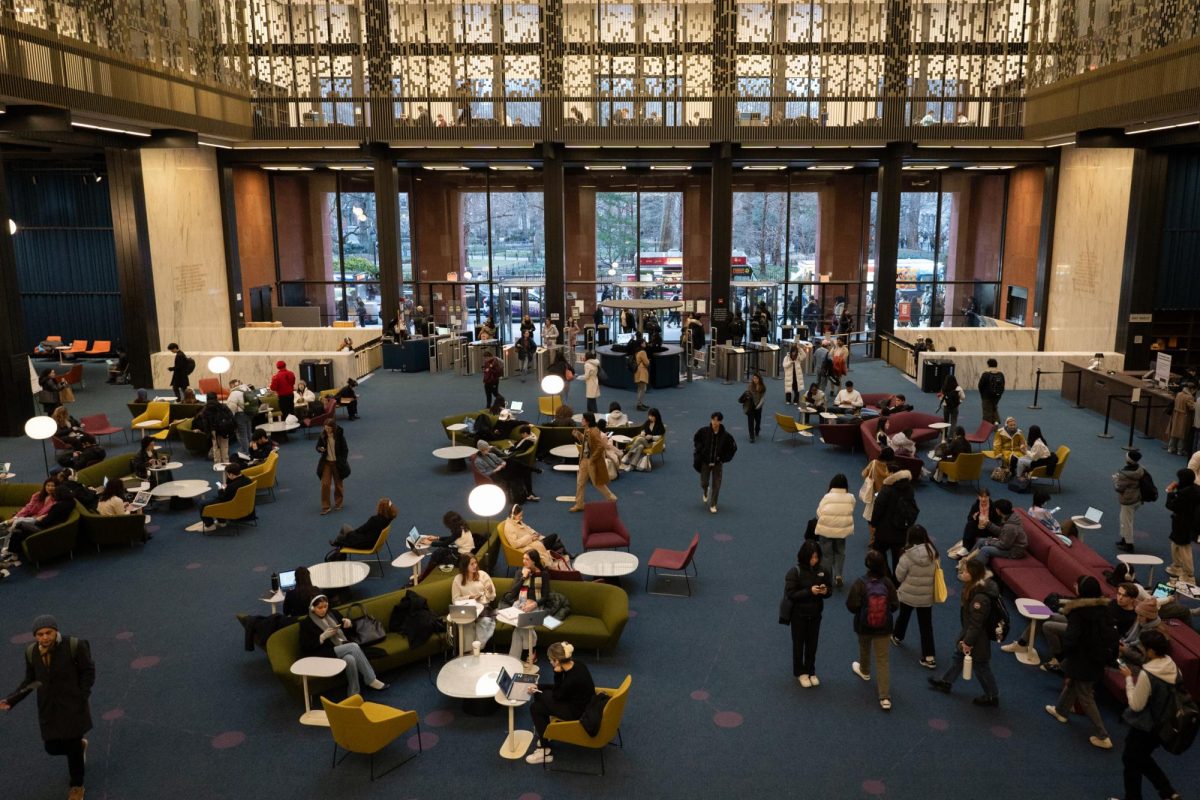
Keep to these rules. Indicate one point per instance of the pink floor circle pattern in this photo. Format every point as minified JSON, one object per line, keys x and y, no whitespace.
{"x":261,"y":568}
{"x":939,"y":724}
{"x":727,"y":719}
{"x":530,"y":796}
{"x":700,"y":694}
{"x":113,"y":714}
{"x":722,"y":537}
{"x":741,"y":598}
{"x":21,"y":638}
{"x":874,"y":787}
{"x":1001,"y":732}
{"x":228,"y":739}
{"x":194,"y":565}
{"x":124,"y":636}
{"x":439,"y":718}
{"x":144,"y":662}
{"x":422,"y":741}
{"x":47,"y":574}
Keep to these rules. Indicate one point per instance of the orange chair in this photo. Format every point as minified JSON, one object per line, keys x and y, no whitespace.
{"x":78,"y":346}
{"x":74,"y":376}
{"x":213,"y":386}
{"x":100,"y":347}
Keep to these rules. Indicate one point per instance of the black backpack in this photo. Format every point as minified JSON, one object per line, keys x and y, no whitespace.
{"x":995,"y":384}
{"x":189,"y":365}
{"x":1180,"y":720}
{"x":225,"y":424}
{"x":1147,"y":488}
{"x":631,"y":361}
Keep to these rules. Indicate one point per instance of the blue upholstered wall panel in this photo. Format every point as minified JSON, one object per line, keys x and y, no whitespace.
{"x":66,"y":259}
{"x":1179,"y":267}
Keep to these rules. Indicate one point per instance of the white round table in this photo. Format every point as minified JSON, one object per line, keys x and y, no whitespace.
{"x":338,"y":574}
{"x":455,"y":456}
{"x":279,"y":429}
{"x":167,"y":466}
{"x":828,"y":415}
{"x":274,"y":600}
{"x":1084,"y":524}
{"x":940,"y":427}
{"x":411,"y":559}
{"x":454,"y":429}
{"x":1135,"y":560}
{"x":605,"y":563}
{"x":315,"y":667}
{"x":565,"y":451}
{"x":1032,"y":610}
{"x":474,"y":677}
{"x":516,"y":743}
{"x":186,"y":489}
{"x":621,"y":438}
{"x":7,"y":476}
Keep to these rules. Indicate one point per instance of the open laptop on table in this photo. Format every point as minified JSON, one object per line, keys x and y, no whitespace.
{"x":463,"y":613}
{"x":287,"y":582}
{"x":140,"y":501}
{"x":1093,"y":515}
{"x":516,"y":406}
{"x":414,"y":541}
{"x":518,"y":683}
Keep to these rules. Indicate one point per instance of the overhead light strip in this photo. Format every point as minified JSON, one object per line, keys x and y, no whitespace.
{"x":351,"y":167}
{"x":446,"y":167}
{"x":765,"y":167}
{"x":991,"y":166}
{"x":830,"y":167}
{"x":216,"y":145}
{"x":925,"y":167}
{"x":287,"y":168}
{"x":510,"y":167}
{"x":670,"y":167}
{"x":108,"y":129}
{"x":1187,"y":124}
{"x":604,"y":167}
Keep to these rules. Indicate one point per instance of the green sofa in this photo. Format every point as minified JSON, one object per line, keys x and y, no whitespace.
{"x":43,"y":545}
{"x":598,"y":616}
{"x":113,"y":468}
{"x":196,"y":442}
{"x":486,"y":555}
{"x":125,"y":529}
{"x":552,"y":436}
{"x":464,"y":437}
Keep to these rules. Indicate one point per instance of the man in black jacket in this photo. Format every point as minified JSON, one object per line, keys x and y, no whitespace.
{"x":894,"y":512}
{"x":63,"y":673}
{"x":991,"y":387}
{"x":234,"y":480}
{"x":713,"y":447}
{"x":1183,"y":501}
{"x":1089,"y":643}
{"x":519,"y":460}
{"x":179,"y":371}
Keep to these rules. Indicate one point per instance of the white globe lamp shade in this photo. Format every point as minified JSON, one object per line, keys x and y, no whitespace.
{"x":41,"y":427}
{"x":12,"y":227}
{"x":553,"y":384}
{"x":487,"y":500}
{"x":218,"y":365}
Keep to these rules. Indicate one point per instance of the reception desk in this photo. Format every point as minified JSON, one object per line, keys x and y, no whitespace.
{"x":1093,"y":388}
{"x":1020,"y":369}
{"x":664,"y":368}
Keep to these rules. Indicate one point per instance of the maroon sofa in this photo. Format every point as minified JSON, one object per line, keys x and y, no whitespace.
{"x":917,"y":420}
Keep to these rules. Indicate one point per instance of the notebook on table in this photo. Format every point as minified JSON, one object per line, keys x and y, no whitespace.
{"x":516,"y":406}
{"x":519,"y":683}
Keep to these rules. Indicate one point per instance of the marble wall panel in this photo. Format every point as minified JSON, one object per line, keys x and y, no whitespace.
{"x":303,"y":340}
{"x":253,"y":368}
{"x":183,"y":215}
{"x":1002,"y":338}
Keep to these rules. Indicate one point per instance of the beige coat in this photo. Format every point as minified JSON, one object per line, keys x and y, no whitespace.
{"x":524,"y":538}
{"x":596,"y":444}
{"x":1181,"y":416}
{"x":642,"y":373}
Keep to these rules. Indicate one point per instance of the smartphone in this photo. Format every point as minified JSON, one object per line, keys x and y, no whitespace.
{"x":1163,"y":590}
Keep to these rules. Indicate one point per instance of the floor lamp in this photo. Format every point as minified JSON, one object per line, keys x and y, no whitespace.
{"x":487,"y":500}
{"x":553,"y":386}
{"x":41,"y":427}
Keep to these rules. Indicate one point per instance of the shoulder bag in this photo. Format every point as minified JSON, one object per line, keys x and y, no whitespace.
{"x":940,"y":593}
{"x":365,"y":630}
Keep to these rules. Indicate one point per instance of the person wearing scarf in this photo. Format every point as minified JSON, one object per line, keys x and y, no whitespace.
{"x":324,"y":632}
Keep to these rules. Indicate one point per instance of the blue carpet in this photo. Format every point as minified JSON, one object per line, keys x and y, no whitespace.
{"x":182,"y":711}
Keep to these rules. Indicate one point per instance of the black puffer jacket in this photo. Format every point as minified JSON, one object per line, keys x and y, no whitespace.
{"x":1184,"y":504}
{"x":798,"y":586}
{"x":975,"y":615}
{"x":1089,"y":627}
{"x":895,"y":509}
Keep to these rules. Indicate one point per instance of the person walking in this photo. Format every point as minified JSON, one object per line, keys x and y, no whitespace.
{"x":752,"y":401}
{"x":712,"y":449}
{"x":591,"y":462}
{"x":835,"y":523}
{"x":283,"y":384}
{"x":237,"y":404}
{"x":915,"y":574}
{"x":1127,"y":483}
{"x":333,"y":467}
{"x":641,"y":375}
{"x":493,"y":371}
{"x":872,"y":600}
{"x":63,"y":673}
{"x":979,"y":596}
{"x":591,"y":380}
{"x":991,"y":388}
{"x":1147,"y":695}
{"x":806,"y":587}
{"x":822,"y":366}
{"x":1183,"y":501}
{"x":793,"y":376}
{"x":1088,"y":644}
{"x":180,"y":369}
{"x":894,"y":512}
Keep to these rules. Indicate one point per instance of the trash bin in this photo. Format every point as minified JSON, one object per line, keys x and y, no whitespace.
{"x":934,"y":373}
{"x":318,"y":374}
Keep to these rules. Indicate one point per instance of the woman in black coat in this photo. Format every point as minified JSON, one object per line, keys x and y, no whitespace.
{"x":364,"y":536}
{"x":333,"y":467}
{"x":324,"y":632}
{"x":567,"y":698}
{"x":1085,"y":654}
{"x":49,"y":387}
{"x":894,"y":512}
{"x":806,"y":587}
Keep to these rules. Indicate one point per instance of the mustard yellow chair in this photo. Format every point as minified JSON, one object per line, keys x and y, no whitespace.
{"x":1055,"y":477}
{"x":374,"y":550}
{"x":513,"y":558}
{"x":235,"y":512}
{"x":658,"y":448}
{"x":367,"y":728}
{"x":548,"y":404}
{"x":788,"y":425}
{"x":264,"y":474}
{"x":157,"y":411}
{"x":967,"y":467}
{"x":610,"y":725}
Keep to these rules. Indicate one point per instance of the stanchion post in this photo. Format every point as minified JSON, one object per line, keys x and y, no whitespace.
{"x":1107,"y":412}
{"x":1078,"y":388}
{"x":1133,"y":409}
{"x":1149,"y":408}
{"x":1037,"y":385}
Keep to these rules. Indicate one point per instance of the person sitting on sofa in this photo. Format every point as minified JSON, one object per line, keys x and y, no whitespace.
{"x":952,"y":450}
{"x":364,"y":536}
{"x":616,"y":417}
{"x":58,"y":511}
{"x":472,"y":583}
{"x":145,"y":458}
{"x":1008,"y":442}
{"x":520,"y":536}
{"x":849,"y":398}
{"x":297,"y":599}
{"x":529,"y":592}
{"x":814,"y":398}
{"x":1130,"y":649}
{"x":903,"y":444}
{"x":1008,"y":539}
{"x":304,"y":401}
{"x":564,"y":417}
{"x":323,"y":633}
{"x":114,"y":503}
{"x":1039,"y":512}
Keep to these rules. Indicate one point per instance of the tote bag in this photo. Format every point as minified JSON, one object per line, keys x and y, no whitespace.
{"x":939,"y":583}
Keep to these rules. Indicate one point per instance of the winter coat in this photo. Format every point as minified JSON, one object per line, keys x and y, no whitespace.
{"x":798,"y":588}
{"x":793,"y":369}
{"x":66,"y":686}
{"x":835,"y":514}
{"x":595,"y":455}
{"x":179,"y":371}
{"x":709,"y":445}
{"x":974,"y":616}
{"x":341,"y":451}
{"x":895,"y":509}
{"x":364,"y":536}
{"x":1184,"y":505}
{"x":915,"y":571}
{"x":1006,"y":446}
{"x":1181,"y":416}
{"x":1084,"y":655}
{"x":1009,"y":537}
{"x":642,"y":373}
{"x":1127,"y":483}
{"x":876,"y":471}
{"x":310,"y":636}
{"x":854,"y":603}
{"x":591,"y":378}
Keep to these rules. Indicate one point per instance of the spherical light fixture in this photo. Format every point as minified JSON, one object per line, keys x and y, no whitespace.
{"x":218,"y":365}
{"x":553,"y":384}
{"x":487,"y":500}
{"x":41,"y":428}
{"x":467,"y":275}
{"x":12,"y":227}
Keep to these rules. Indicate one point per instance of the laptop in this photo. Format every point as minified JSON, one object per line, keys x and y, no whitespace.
{"x":463,"y":613}
{"x":287,"y":580}
{"x":530,"y":619}
{"x":516,"y":406}
{"x":1093,"y":515}
{"x":414,"y":541}
{"x":140,"y":501}
{"x":510,"y":683}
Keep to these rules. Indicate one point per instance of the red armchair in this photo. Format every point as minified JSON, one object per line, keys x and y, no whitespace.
{"x":982,"y":434}
{"x":677,"y":561}
{"x":602,"y":527}
{"x":98,"y":425}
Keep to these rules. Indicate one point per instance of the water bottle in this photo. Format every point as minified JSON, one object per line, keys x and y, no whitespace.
{"x":968,"y":666}
{"x":274,"y":581}
{"x":524,"y":597}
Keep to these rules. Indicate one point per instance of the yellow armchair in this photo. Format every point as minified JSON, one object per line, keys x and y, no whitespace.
{"x":513,"y":558}
{"x":610,"y":724}
{"x":788,"y":425}
{"x":157,"y":412}
{"x":1063,"y":453}
{"x":967,"y":467}
{"x":238,"y":511}
{"x":658,"y":448}
{"x":264,"y":474}
{"x":380,"y":543}
{"x":367,"y":728}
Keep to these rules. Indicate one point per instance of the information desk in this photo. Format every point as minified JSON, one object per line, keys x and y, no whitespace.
{"x":664,"y":368}
{"x":1096,"y":386}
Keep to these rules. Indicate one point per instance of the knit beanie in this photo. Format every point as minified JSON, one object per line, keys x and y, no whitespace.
{"x":1089,"y":586}
{"x":1148,"y":608}
{"x":1134,"y":456}
{"x":44,"y":621}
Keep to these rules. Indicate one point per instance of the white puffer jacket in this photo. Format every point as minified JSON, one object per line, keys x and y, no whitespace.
{"x":835,"y":514}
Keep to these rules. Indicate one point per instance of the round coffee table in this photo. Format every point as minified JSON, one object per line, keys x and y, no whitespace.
{"x":279,"y":430}
{"x":315,"y":667}
{"x":338,"y":574}
{"x":940,"y":427}
{"x":1135,"y":560}
{"x":455,"y":456}
{"x":565,"y":451}
{"x":472,"y":678}
{"x":180,"y":493}
{"x":605,"y":563}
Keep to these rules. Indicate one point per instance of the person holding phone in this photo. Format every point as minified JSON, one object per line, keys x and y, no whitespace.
{"x":226,"y":491}
{"x":324,"y":632}
{"x":333,"y":466}
{"x":528,"y":592}
{"x":565,"y":699}
{"x":806,"y":587}
{"x":1146,"y":696}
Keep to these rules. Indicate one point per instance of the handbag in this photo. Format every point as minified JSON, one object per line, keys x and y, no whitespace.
{"x":66,"y":395}
{"x":1001,"y":474}
{"x":366,"y":630}
{"x":593,"y":714}
{"x":867,"y":491}
{"x":940,"y":593}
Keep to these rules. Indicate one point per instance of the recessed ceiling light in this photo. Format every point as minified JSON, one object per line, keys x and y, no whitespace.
{"x":604,"y":167}
{"x":831,"y":167}
{"x":991,"y":166}
{"x":670,"y":167}
{"x":765,"y":167}
{"x":446,"y":167}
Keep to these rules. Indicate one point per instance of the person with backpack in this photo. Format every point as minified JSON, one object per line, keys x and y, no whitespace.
{"x":493,"y":371}
{"x":895,"y":511}
{"x":822,"y":366}
{"x":839,"y":362}
{"x":641,"y":372}
{"x":916,"y":573}
{"x":872,"y":600}
{"x":806,"y":587}
{"x":1087,"y":645}
{"x":1183,"y":501}
{"x":950,"y":398}
{"x":1153,"y":698}
{"x":991,"y":387}
{"x":238,"y":405}
{"x":1127,"y":483}
{"x":62,"y":671}
{"x":180,"y":371}
{"x":218,"y":421}
{"x":980,"y":611}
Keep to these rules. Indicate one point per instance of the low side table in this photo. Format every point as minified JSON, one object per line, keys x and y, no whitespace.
{"x":1135,"y":560}
{"x":315,"y":667}
{"x":454,"y":429}
{"x":411,"y":559}
{"x":516,"y":743}
{"x":1032,"y":610}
